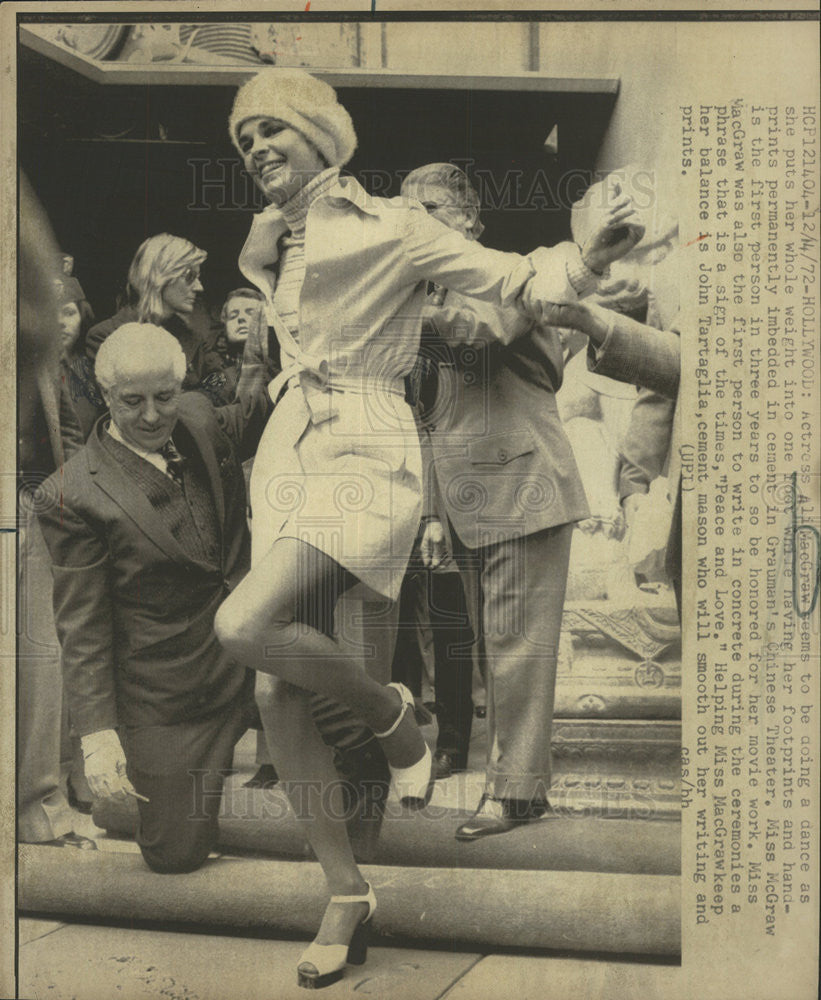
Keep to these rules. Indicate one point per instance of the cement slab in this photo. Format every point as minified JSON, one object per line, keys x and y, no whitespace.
{"x":89,"y":962}
{"x":31,"y":928}
{"x":522,"y":977}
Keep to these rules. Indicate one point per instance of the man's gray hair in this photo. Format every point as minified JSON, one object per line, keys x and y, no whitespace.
{"x":450,"y":178}
{"x":135,"y":348}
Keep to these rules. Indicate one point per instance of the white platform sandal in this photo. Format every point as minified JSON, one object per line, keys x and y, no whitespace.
{"x":322,"y":965}
{"x":413,"y":784}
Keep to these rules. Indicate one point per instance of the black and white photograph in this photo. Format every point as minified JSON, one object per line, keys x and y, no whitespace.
{"x":410,"y":532}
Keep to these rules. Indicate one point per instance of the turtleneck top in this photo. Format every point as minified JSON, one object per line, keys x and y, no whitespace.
{"x":292,"y":248}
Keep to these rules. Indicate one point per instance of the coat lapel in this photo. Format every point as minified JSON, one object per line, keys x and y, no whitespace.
{"x":261,"y":249}
{"x":120,"y":487}
{"x":206,"y":450}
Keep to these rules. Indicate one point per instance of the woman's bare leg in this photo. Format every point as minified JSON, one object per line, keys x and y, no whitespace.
{"x":279,"y":620}
{"x":269,"y":623}
{"x":307,"y":774}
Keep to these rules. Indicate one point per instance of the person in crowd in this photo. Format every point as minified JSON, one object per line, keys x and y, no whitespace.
{"x":432,"y":603}
{"x":432,"y":606}
{"x":163,"y":286}
{"x":345,"y":305}
{"x":48,"y":435}
{"x":147,"y":539}
{"x":511,"y":492}
{"x":147,"y":533}
{"x":243,"y":320}
{"x":75,"y":318}
{"x":625,"y":349}
{"x":241,"y":314}
{"x":648,"y":450}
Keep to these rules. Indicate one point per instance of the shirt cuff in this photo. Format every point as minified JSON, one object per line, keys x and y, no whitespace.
{"x":580,"y":276}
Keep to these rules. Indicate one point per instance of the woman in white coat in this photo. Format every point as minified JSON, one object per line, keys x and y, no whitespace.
{"x":336,"y":485}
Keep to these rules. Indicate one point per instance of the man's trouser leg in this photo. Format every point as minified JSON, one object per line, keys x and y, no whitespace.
{"x":523,"y":584}
{"x":181,"y":770}
{"x":43,"y":812}
{"x":453,"y":640}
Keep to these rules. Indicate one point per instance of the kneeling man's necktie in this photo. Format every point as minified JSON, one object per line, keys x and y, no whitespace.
{"x":173,"y":460}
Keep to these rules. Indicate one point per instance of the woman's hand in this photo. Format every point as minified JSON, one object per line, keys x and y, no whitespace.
{"x":624,"y":295}
{"x":432,"y":544}
{"x":619,"y":232}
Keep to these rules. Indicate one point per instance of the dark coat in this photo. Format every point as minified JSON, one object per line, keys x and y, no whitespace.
{"x":197,"y":342}
{"x":503,"y":464}
{"x":651,"y":358}
{"x":83,"y":391}
{"x":134,"y":611}
{"x":640,"y":354}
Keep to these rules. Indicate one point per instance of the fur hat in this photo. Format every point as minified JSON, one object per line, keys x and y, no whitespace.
{"x":302,"y":101}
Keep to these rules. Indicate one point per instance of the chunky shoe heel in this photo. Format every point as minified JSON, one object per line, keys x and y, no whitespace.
{"x":322,"y":965}
{"x":413,"y":784}
{"x":358,"y":948}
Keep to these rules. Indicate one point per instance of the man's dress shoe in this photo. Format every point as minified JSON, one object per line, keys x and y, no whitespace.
{"x":498,"y":816}
{"x":447,"y":763}
{"x":72,"y":839}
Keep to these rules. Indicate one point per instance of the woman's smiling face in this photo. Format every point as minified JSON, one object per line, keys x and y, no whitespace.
{"x":278,"y":157}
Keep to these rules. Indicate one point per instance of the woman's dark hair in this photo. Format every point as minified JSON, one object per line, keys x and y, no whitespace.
{"x":70,"y":290}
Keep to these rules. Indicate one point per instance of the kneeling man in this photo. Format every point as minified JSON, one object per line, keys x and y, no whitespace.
{"x":147,"y":539}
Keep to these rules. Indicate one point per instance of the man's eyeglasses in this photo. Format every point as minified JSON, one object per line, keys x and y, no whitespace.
{"x":431,"y":206}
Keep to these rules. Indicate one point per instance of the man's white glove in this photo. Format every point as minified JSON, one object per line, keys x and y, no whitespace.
{"x":104,"y":760}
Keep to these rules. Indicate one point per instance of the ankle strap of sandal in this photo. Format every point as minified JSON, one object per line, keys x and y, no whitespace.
{"x":407,"y":702}
{"x":368,"y":898}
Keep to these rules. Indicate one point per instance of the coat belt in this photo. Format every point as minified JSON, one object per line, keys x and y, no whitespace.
{"x":313,"y":376}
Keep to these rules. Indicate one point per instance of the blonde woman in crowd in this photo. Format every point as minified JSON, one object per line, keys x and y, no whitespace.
{"x":163,"y":284}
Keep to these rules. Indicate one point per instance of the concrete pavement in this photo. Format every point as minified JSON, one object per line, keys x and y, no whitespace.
{"x":65,"y":961}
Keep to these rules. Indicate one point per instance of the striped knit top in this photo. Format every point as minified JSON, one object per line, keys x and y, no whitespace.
{"x":292,"y":249}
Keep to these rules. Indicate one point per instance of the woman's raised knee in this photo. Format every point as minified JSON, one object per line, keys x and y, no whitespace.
{"x":246,"y":633}
{"x":236,"y":630}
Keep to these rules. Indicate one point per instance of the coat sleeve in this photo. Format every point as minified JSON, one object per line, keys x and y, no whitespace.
{"x":646,"y":443}
{"x":642,"y":355}
{"x":243,"y":421}
{"x":97,"y":334}
{"x":463,"y":321}
{"x":437,"y":253}
{"x":71,"y":433}
{"x":83,"y":614}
